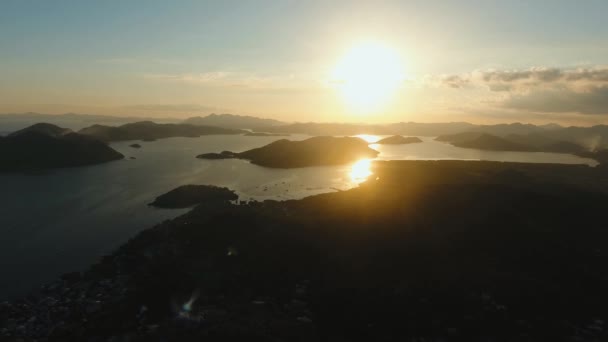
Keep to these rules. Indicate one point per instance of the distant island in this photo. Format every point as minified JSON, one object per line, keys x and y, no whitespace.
{"x":263,"y":134}
{"x":316,"y":151}
{"x":46,"y":146}
{"x":187,"y":196}
{"x":74,"y":121}
{"x":484,"y":141}
{"x":590,"y":138}
{"x":149,"y":131}
{"x":513,"y":142}
{"x":232,"y":121}
{"x":398,"y":140}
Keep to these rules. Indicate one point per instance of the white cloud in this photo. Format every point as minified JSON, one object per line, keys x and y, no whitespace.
{"x":540,"y":89}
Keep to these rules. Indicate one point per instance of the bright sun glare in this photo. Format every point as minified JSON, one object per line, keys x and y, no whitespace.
{"x":368,"y":75}
{"x":361,"y":170}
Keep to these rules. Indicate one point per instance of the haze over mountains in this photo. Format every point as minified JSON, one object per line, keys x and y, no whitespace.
{"x":14,"y":121}
{"x":498,"y":137}
{"x":148,"y":130}
{"x":232,"y":121}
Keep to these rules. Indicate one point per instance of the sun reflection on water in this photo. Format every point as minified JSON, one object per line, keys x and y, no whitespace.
{"x":361,"y":170}
{"x":370,"y":138}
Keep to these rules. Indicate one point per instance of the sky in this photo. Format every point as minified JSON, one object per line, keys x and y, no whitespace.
{"x":425,"y":61}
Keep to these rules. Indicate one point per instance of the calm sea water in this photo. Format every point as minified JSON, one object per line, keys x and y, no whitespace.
{"x":63,"y":220}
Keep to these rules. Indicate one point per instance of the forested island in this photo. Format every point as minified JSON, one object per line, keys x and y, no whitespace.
{"x":316,"y":151}
{"x":46,"y":146}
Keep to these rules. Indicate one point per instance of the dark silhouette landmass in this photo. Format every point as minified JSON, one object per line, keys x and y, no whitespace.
{"x":46,"y":146}
{"x":42,"y":128}
{"x":316,"y":151}
{"x":135,"y":145}
{"x":221,"y":155}
{"x":600,"y":156}
{"x":149,"y":131}
{"x":590,"y":138}
{"x":232,"y":121}
{"x":483,"y":141}
{"x":512,"y":142}
{"x":187,"y":196}
{"x":75,"y":121}
{"x":407,"y":128}
{"x":424,"y":251}
{"x":398,"y":140}
{"x":263,"y":134}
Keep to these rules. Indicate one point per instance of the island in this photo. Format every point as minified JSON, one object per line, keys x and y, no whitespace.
{"x":232,"y":121}
{"x":221,"y":155}
{"x":398,"y":140}
{"x":150,"y":131}
{"x":535,"y":142}
{"x":46,"y":146}
{"x":135,"y":145}
{"x":264,"y":134}
{"x":187,"y":196}
{"x":315,"y":151}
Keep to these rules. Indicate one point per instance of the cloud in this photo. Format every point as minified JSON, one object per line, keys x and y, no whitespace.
{"x":593,"y":101}
{"x":540,"y":89}
{"x":454,"y":81}
{"x":117,"y":60}
{"x":542,"y":78}
{"x":241,"y":80}
{"x":206,"y":77}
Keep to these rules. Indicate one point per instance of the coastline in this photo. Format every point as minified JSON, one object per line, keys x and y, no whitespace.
{"x":238,"y":252}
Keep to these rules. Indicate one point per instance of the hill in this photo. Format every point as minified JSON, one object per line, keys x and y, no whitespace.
{"x":426,"y":251}
{"x":398,"y":140}
{"x":316,"y":151}
{"x":535,"y":142}
{"x":232,"y":121}
{"x":147,"y":130}
{"x":490,"y":142}
{"x":14,"y":121}
{"x":45,"y":146}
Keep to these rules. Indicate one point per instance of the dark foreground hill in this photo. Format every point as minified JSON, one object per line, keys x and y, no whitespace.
{"x":45,"y":146}
{"x":426,"y":251}
{"x":148,"y":130}
{"x":316,"y":151}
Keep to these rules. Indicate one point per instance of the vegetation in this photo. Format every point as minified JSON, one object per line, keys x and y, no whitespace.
{"x":316,"y":151}
{"x":398,"y":140}
{"x":187,"y":196}
{"x":46,"y":146}
{"x":424,"y":251}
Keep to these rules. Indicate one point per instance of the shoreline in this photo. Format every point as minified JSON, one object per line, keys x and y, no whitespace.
{"x":128,"y":284}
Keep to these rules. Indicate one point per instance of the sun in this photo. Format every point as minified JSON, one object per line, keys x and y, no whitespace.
{"x":368,"y":75}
